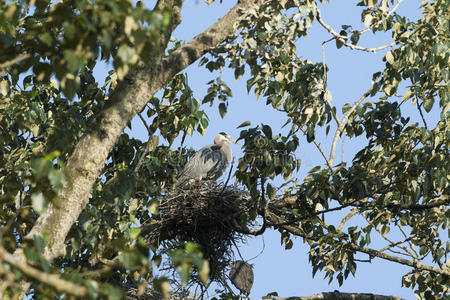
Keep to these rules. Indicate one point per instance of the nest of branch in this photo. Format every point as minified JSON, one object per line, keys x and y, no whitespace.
{"x":205,"y":213}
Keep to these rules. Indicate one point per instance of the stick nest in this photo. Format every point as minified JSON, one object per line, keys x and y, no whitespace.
{"x":206,"y":213}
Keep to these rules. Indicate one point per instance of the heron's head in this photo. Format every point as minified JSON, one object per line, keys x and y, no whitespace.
{"x":222,"y":137}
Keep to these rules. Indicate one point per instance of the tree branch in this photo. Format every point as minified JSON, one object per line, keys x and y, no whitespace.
{"x":392,"y":243}
{"x":14,"y":61}
{"x":52,"y":280}
{"x":419,"y":207}
{"x":346,"y":218}
{"x":416,"y":265}
{"x":343,"y":38}
{"x":320,"y":148}
{"x":325,"y":75}
{"x":344,"y":122}
{"x":336,"y":295}
{"x":211,"y":37}
{"x":276,"y":221}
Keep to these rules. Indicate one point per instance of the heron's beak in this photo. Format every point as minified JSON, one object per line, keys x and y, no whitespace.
{"x":233,"y":141}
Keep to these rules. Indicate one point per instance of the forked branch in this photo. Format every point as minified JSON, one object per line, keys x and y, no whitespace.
{"x":275,"y":220}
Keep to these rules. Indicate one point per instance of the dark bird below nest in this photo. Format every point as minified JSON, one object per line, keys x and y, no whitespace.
{"x":241,"y":275}
{"x":209,"y":162}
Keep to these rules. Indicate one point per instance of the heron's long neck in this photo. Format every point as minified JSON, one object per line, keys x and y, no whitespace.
{"x":227,"y":149}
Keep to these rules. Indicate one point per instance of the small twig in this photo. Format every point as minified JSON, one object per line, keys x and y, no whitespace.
{"x":141,"y":158}
{"x":317,"y":213}
{"x":324,"y":69}
{"x":343,"y":123}
{"x":260,"y":252}
{"x":263,"y":191}
{"x":325,"y":79}
{"x":393,"y":245}
{"x":229,"y":175}
{"x":342,"y":149}
{"x":237,"y":249}
{"x":408,"y":252}
{"x":145,"y":124}
{"x":398,"y":252}
{"x":346,"y":218}
{"x":421,"y":115}
{"x":182,"y":142}
{"x":320,"y":150}
{"x":409,"y":241}
{"x":145,"y":152}
{"x":363,"y":260}
{"x":343,"y":39}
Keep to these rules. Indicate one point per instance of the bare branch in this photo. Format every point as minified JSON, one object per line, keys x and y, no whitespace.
{"x":343,"y":38}
{"x":325,"y":79}
{"x":320,"y":150}
{"x":145,"y":124}
{"x":411,"y":246}
{"x":229,"y":175}
{"x":393,"y":244}
{"x":344,"y":122}
{"x":346,"y":218}
{"x":278,"y":222}
{"x":211,"y":37}
{"x":416,"y":265}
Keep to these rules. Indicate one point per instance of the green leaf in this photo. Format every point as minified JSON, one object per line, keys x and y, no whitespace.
{"x":408,"y":94}
{"x":57,"y":179}
{"x":203,"y":273}
{"x":111,"y":292}
{"x":127,"y":54}
{"x":222,"y":110}
{"x":244,"y":124}
{"x":428,"y":104}
{"x":390,"y":57}
{"x":129,"y":259}
{"x":93,"y":288}
{"x":166,"y":19}
{"x":355,"y":37}
{"x":267,"y":131}
{"x":162,"y":285}
{"x":346,"y":108}
{"x":40,"y":167}
{"x":46,"y":38}
{"x":38,"y":202}
{"x":74,"y":62}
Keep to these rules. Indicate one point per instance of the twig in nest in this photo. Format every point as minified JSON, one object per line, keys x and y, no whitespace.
{"x":229,"y":175}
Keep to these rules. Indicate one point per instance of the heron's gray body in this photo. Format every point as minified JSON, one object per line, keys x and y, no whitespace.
{"x":241,"y":275}
{"x":210,"y":162}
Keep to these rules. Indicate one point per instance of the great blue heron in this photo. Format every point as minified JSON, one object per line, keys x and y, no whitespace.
{"x":209,"y":162}
{"x":241,"y":275}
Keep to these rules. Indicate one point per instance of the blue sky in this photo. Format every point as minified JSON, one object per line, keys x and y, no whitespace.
{"x":289,"y":272}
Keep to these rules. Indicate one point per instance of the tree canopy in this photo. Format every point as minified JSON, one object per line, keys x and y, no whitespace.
{"x":79,"y":195}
